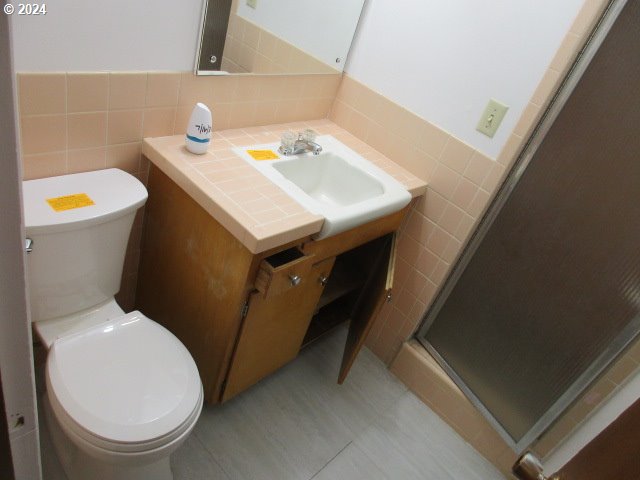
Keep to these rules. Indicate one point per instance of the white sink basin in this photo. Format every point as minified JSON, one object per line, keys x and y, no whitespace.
{"x":330,"y":180}
{"x":338,"y":184}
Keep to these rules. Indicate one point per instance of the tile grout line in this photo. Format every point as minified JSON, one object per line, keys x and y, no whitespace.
{"x":195,"y":435}
{"x":331,"y":460}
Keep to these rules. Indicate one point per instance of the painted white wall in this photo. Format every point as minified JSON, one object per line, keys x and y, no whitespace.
{"x":303,"y":23}
{"x":16,"y":355}
{"x":108,"y":35}
{"x":444,"y":60}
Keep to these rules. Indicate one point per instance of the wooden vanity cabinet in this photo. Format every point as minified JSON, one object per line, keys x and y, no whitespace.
{"x":275,"y":324}
{"x":244,"y":315}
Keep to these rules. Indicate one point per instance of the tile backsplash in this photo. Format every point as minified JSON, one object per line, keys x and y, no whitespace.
{"x":73,"y":122}
{"x":76,"y":122}
{"x":249,"y":48}
{"x":461,"y":182}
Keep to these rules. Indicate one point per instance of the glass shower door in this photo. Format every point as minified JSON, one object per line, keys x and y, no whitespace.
{"x":552,"y":292}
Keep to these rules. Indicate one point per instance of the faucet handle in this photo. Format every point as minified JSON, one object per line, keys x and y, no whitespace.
{"x":287,"y":140}
{"x":308,"y":135}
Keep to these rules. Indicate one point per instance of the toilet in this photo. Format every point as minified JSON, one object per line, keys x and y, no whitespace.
{"x":122,"y":392}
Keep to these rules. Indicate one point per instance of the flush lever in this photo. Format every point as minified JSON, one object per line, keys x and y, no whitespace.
{"x":28,"y":245}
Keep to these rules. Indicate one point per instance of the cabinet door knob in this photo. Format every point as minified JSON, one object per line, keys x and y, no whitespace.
{"x":323,"y":280}
{"x":295,"y":280}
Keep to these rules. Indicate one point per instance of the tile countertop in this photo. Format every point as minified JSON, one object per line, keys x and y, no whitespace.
{"x":250,"y":206}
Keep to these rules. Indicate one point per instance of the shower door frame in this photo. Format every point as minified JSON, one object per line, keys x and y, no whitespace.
{"x":566,"y":88}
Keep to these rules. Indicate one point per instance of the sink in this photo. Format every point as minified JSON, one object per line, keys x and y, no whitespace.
{"x":338,"y":184}
{"x":330,"y":180}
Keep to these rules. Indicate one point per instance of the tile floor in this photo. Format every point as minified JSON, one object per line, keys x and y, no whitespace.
{"x":298,"y":424}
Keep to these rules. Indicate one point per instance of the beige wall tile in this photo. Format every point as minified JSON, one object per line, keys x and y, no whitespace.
{"x":86,"y":130}
{"x":464,"y":194}
{"x":411,"y":289}
{"x":546,"y":87}
{"x":452,"y":250}
{"x":478,"y":204}
{"x":433,"y":205}
{"x":87,"y":92}
{"x":373,"y":105}
{"x":554,"y":436}
{"x":634,"y":351}
{"x":419,"y":163}
{"x":456,"y":155}
{"x":445,"y":181}
{"x":464,"y":229}
{"x":266,"y":44}
{"x":42,"y":93}
{"x":182,"y":118}
{"x":242,"y":114}
{"x":42,"y":134}
{"x":527,"y":120}
{"x":158,"y":122}
{"x":409,"y":249}
{"x":124,"y":126}
{"x":591,"y":399}
{"x":125,"y":157}
{"x":246,"y":57}
{"x":127,"y":90}
{"x":265,"y":113}
{"x":251,"y":34}
{"x":622,"y":370}
{"x":292,"y":88}
{"x":440,"y":272}
{"x":432,"y":139}
{"x":510,"y":150}
{"x":494,"y":178}
{"x":194,"y":89}
{"x":438,"y":241}
{"x":478,"y":168}
{"x":162,"y":89}
{"x":587,"y":16}
{"x":567,"y":52}
{"x":44,"y":165}
{"x":86,"y":160}
{"x":451,"y":218}
{"x":490,"y":444}
{"x":418,"y":227}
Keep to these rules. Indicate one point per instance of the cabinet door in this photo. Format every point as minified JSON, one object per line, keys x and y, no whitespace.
{"x":274,"y":328}
{"x":375,"y":292}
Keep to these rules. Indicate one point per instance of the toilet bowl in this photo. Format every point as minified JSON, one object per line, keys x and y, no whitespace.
{"x":122,"y":392}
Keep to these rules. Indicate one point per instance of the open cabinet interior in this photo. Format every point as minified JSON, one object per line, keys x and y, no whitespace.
{"x":346,"y":287}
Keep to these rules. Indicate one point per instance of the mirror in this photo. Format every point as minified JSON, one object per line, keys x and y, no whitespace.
{"x":276,"y":36}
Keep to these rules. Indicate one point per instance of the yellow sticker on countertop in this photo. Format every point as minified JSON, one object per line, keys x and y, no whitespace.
{"x":263,"y":154}
{"x":69,"y":202}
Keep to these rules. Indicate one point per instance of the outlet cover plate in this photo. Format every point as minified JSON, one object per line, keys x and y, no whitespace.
{"x":491,"y":118}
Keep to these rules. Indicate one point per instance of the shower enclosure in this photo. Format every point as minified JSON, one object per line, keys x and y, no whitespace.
{"x":548,"y":292}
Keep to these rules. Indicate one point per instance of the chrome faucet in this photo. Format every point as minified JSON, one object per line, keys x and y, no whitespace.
{"x":303,"y":142}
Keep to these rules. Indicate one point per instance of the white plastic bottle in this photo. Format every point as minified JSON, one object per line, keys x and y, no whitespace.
{"x":199,"y":129}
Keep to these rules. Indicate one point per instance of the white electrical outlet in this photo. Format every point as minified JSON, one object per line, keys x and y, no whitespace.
{"x":252,"y":3}
{"x":491,"y":118}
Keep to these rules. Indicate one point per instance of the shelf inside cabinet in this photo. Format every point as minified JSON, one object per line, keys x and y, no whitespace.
{"x":345,"y":278}
{"x":328,"y":318}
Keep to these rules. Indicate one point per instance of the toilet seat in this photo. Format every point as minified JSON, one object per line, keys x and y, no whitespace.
{"x":125,"y":385}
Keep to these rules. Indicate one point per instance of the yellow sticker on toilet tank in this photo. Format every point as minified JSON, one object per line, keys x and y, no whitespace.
{"x":69,"y":202}
{"x":263,"y":154}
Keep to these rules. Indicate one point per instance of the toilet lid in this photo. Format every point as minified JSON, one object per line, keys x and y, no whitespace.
{"x":128,"y":380}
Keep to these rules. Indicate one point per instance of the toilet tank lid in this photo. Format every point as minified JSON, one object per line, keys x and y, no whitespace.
{"x":69,"y":202}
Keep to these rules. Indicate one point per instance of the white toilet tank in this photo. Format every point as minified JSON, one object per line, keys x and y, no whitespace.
{"x":80,"y":226}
